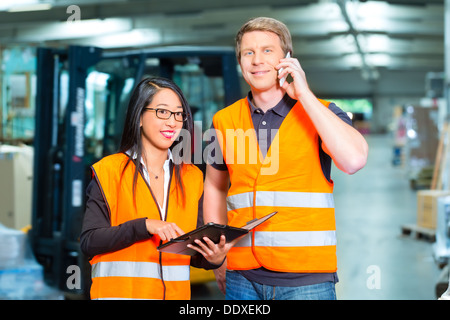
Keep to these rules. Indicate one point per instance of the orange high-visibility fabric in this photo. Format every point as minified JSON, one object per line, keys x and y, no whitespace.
{"x":290,"y":180}
{"x":140,"y":271}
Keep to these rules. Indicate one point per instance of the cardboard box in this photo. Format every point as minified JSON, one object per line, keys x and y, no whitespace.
{"x":427,"y":207}
{"x":16,"y":172}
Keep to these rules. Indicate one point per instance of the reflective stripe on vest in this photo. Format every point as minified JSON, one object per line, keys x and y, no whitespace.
{"x":140,"y":269}
{"x":281,"y":199}
{"x":290,"y":239}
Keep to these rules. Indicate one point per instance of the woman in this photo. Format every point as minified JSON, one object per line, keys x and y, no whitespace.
{"x":144,"y":195}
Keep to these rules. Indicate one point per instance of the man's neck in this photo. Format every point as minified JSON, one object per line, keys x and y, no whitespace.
{"x":265,"y":100}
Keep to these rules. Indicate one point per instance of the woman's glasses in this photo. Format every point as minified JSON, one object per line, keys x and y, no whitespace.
{"x":166,"y":114}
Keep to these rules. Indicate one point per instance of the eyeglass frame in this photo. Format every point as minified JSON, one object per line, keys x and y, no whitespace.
{"x":184,"y":114}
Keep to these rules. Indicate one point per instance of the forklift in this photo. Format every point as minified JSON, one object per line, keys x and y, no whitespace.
{"x":81,"y":99}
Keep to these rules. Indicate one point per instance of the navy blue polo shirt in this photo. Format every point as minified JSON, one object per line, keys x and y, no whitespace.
{"x":266,"y":124}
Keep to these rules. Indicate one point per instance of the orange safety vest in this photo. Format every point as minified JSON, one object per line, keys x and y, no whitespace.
{"x":302,"y":236}
{"x":140,"y":271}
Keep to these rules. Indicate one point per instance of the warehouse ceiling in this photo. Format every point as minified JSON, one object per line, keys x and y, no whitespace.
{"x":370,"y":37}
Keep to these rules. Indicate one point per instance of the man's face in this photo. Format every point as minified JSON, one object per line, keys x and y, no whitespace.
{"x":260,"y":54}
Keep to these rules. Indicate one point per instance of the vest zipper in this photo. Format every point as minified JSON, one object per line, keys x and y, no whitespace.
{"x":160,"y":216}
{"x":160,"y":242}
{"x":161,"y":272}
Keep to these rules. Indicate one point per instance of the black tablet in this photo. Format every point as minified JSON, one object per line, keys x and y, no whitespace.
{"x":211,"y":230}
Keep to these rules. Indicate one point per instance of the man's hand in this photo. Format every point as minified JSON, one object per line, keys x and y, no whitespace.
{"x":292,"y":66}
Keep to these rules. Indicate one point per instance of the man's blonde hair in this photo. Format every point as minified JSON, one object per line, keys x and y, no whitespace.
{"x":265,"y":24}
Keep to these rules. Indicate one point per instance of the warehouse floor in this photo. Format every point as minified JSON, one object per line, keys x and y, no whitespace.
{"x":375,"y":261}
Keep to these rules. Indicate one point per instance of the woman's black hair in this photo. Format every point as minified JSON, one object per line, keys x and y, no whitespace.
{"x":131,"y":140}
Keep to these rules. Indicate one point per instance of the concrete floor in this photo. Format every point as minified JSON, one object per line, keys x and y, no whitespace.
{"x":374,"y":260}
{"x":371,"y":206}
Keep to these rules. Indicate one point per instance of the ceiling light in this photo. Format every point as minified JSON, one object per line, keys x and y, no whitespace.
{"x":377,"y":43}
{"x":74,"y":30}
{"x":379,"y":60}
{"x":7,"y":4}
{"x":136,"y":37}
{"x":30,"y":7}
{"x":24,"y":5}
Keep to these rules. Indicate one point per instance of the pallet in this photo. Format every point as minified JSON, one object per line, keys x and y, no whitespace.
{"x":420,"y":233}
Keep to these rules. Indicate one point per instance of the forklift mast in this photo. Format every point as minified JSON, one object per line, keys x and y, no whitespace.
{"x":81,"y":100}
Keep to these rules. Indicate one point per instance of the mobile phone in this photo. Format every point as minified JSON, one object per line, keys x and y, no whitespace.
{"x":282,"y":80}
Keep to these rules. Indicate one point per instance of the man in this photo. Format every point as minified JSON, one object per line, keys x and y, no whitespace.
{"x":293,"y":254}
